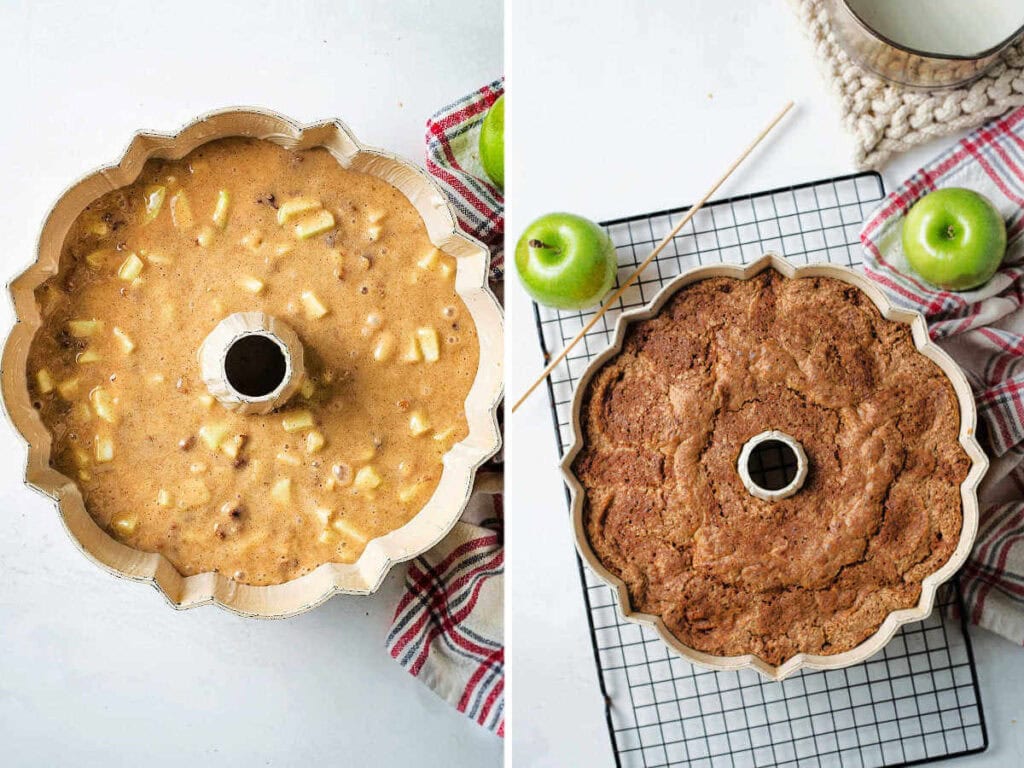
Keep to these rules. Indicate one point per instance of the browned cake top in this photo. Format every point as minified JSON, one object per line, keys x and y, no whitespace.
{"x":663,"y":424}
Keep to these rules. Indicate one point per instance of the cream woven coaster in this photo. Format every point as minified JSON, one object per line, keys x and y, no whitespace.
{"x":886,"y":119}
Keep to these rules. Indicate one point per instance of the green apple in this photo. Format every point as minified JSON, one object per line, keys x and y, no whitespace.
{"x":492,"y":142}
{"x":954,"y":238}
{"x":565,"y":261}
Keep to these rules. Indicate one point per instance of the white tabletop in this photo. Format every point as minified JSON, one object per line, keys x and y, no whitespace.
{"x":618,"y":112}
{"x":95,"y":671}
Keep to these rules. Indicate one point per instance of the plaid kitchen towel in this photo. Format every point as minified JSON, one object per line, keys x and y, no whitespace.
{"x":448,"y":629}
{"x":454,"y":161}
{"x":983,"y":330}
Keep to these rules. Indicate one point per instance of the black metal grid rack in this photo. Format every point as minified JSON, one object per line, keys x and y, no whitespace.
{"x":915,"y":702}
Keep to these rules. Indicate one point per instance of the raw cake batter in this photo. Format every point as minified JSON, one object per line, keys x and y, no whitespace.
{"x":244,"y":225}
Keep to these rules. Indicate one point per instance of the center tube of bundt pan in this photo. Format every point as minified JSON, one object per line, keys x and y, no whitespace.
{"x":772,"y":466}
{"x":252,"y":362}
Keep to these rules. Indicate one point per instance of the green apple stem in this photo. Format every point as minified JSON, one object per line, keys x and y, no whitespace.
{"x":535,"y":243}
{"x":950,"y":232}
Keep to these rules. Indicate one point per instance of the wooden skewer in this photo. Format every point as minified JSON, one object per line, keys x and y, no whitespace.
{"x":654,"y":254}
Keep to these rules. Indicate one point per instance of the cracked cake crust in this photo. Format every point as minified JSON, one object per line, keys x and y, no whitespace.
{"x":663,"y":423}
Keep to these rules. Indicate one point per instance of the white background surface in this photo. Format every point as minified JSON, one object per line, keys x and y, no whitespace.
{"x":95,"y":671}
{"x":613,"y":113}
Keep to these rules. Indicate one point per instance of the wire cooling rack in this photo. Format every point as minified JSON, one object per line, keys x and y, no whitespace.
{"x":915,"y":702}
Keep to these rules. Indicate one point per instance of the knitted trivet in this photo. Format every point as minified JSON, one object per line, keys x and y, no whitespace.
{"x":885,"y":118}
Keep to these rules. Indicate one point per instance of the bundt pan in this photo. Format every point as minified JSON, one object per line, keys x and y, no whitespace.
{"x":968,"y":489}
{"x":424,"y":530}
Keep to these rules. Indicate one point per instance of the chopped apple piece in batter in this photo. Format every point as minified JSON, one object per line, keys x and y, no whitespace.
{"x":158,"y":259}
{"x":98,"y":258}
{"x":205,"y":236}
{"x":418,"y":424}
{"x":154,"y":195}
{"x":315,"y":441}
{"x":213,"y":434}
{"x":292,"y":209}
{"x":130,"y":268}
{"x":103,"y":404}
{"x":314,"y":224}
{"x":327,"y":536}
{"x":367,"y":478}
{"x":444,"y":434}
{"x":104,"y":449}
{"x":252,"y":241}
{"x":233,"y":446}
{"x":81,"y":457}
{"x":89,"y":356}
{"x":68,"y":388}
{"x":124,"y":526}
{"x":315,"y":308}
{"x":410,"y":492}
{"x":282,"y":491}
{"x":428,"y":344}
{"x":181,"y":212}
{"x":323,"y":514}
{"x":288,"y":458}
{"x":429,"y":260}
{"x":251,"y":284}
{"x":163,"y":498}
{"x":205,"y":400}
{"x":384,"y":347}
{"x":83,"y":329}
{"x":99,"y":228}
{"x":44,"y":381}
{"x":220,"y":212}
{"x":124,"y":340}
{"x":349,"y":531}
{"x":297,"y":420}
